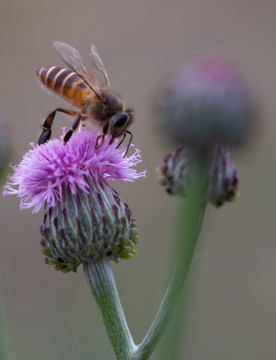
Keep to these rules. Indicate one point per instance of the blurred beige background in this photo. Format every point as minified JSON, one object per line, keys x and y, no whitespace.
{"x":233,"y":302}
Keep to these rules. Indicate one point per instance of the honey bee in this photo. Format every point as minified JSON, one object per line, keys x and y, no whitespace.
{"x":90,"y":92}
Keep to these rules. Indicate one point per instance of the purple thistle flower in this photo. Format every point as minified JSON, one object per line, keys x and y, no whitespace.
{"x":44,"y":169}
{"x":84,"y":217}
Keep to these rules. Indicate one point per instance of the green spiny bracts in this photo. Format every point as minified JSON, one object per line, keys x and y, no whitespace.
{"x":88,"y":226}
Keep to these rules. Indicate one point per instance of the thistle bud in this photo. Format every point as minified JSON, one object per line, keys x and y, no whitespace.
{"x":206,"y":106}
{"x":172,"y":173}
{"x":221,"y":176}
{"x":205,"y":103}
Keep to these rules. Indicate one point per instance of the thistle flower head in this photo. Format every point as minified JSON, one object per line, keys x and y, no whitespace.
{"x":44,"y":169}
{"x":84,"y":217}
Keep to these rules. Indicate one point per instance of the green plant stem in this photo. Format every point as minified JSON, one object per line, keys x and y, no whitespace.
{"x":102,"y":284}
{"x":103,"y":287}
{"x":192,"y":216}
{"x":180,"y":317}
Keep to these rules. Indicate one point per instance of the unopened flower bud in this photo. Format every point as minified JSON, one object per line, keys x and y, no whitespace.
{"x":205,"y":103}
{"x":223,"y":177}
{"x":172,"y":173}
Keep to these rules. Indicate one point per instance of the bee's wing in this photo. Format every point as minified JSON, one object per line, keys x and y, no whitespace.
{"x":72,"y":58}
{"x":98,"y":66}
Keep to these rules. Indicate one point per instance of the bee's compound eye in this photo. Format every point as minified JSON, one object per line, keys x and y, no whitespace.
{"x":105,"y":128}
{"x":121,"y":120}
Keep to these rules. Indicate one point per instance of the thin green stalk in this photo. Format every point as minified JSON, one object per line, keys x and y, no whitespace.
{"x":102,"y":284}
{"x":190,"y":227}
{"x":177,"y":328}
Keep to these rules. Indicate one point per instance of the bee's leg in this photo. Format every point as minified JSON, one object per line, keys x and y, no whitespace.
{"x":98,"y":144}
{"x":48,"y":123}
{"x":73,"y":128}
{"x":105,"y":130}
{"x":129,"y":143}
{"x":124,"y":136}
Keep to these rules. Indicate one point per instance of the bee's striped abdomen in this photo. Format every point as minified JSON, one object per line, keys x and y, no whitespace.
{"x":65,"y":83}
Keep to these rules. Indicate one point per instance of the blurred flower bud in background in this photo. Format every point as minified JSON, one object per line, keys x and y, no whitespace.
{"x":206,"y":106}
{"x":206,"y":102}
{"x":221,"y":180}
{"x":173,"y":172}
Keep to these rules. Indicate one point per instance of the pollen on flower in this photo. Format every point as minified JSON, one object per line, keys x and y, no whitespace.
{"x":45,"y":169}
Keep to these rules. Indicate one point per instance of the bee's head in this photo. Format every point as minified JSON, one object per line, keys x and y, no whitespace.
{"x":119,"y":123}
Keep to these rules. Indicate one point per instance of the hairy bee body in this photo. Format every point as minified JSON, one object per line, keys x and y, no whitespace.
{"x":87,"y":90}
{"x":65,"y":83}
{"x":72,"y":88}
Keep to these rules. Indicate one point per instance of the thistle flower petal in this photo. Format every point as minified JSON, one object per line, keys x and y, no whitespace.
{"x":46,"y":168}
